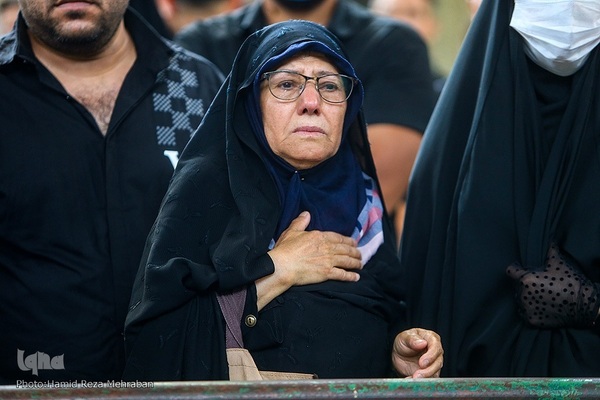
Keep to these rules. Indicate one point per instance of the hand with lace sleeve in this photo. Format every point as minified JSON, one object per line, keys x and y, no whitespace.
{"x":557,"y":296}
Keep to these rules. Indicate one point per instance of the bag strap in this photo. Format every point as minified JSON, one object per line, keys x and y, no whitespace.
{"x":232,"y":307}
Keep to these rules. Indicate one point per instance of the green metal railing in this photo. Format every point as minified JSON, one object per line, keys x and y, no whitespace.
{"x":443,"y":388}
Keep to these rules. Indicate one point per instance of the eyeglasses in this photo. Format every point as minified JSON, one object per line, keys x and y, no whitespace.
{"x":289,"y":85}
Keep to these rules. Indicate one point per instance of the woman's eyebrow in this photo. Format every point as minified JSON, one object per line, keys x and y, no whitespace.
{"x":326,"y":72}
{"x":315,"y":73}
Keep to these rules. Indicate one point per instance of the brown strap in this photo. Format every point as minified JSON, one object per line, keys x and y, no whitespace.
{"x":240,"y":361}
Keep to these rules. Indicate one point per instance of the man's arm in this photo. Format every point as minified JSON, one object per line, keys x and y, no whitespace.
{"x":394,"y":150}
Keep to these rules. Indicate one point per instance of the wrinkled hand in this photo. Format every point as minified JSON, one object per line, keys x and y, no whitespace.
{"x":303,"y":257}
{"x":557,"y":296}
{"x":315,"y":256}
{"x":418,"y":353}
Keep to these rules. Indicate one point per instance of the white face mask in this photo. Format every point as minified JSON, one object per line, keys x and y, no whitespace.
{"x":559,"y":34}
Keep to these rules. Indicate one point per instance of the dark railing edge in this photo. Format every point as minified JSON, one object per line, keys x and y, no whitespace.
{"x":441,"y":388}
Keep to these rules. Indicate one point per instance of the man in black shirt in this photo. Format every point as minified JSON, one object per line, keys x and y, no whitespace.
{"x":390,"y":58}
{"x":94,"y":112}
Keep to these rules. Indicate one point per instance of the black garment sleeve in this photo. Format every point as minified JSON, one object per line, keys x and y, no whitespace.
{"x":187,"y":343}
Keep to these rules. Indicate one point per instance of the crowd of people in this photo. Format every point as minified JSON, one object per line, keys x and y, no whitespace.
{"x":303,"y":160}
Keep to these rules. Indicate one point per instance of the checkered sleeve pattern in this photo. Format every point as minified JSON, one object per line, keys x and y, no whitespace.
{"x":177,"y":105}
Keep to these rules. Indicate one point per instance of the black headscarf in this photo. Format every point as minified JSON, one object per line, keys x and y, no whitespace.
{"x":223,"y":210}
{"x":509,"y":163}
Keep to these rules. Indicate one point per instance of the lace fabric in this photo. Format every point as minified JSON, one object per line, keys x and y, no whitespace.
{"x":557,"y":296}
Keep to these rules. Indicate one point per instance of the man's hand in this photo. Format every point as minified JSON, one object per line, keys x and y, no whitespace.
{"x":418,"y":353}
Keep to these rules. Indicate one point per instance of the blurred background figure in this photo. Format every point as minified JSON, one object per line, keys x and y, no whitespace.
{"x":8,"y":15}
{"x":442,"y":25}
{"x":421,"y":15}
{"x":178,"y":13}
{"x":473,"y":6}
{"x":169,"y":16}
{"x":149,"y":11}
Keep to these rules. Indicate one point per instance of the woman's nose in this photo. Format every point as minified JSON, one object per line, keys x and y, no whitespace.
{"x":310,"y":97}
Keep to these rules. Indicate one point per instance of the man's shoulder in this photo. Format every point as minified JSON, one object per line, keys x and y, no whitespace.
{"x":353,"y":21}
{"x":219,"y":27}
{"x":192,"y":70}
{"x":380,"y":23}
{"x":217,"y":38}
{"x":185,"y":55}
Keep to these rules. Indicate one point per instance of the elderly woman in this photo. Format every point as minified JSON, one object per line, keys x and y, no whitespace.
{"x":276,"y":194}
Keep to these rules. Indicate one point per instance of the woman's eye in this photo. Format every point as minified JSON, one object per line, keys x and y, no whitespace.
{"x":329,"y":86}
{"x":287,"y":85}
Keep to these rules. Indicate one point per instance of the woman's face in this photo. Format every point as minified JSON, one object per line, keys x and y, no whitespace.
{"x":308,"y":130}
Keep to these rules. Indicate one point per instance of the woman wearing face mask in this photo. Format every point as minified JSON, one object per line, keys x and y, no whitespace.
{"x":503,"y":218}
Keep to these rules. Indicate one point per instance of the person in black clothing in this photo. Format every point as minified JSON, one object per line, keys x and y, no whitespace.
{"x":95,"y":111}
{"x":421,"y":15}
{"x":276,"y":195}
{"x":177,"y":14}
{"x":500,"y":222}
{"x":390,"y":57}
